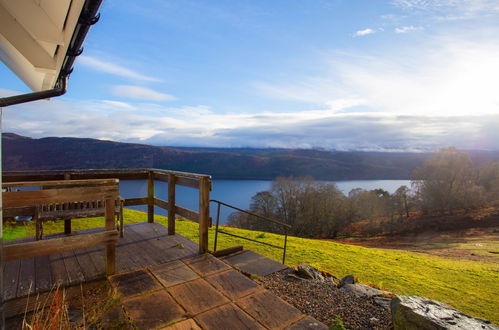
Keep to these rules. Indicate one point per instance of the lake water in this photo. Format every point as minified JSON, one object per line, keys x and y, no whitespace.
{"x":234,"y":192}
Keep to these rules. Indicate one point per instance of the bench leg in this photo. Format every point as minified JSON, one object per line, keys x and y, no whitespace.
{"x":39,"y":230}
{"x":67,"y":226}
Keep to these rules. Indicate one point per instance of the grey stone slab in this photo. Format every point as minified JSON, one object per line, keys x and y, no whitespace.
{"x":153,"y":310}
{"x":233,"y":284}
{"x":227,"y":317}
{"x":269,"y":310}
{"x":135,"y":282}
{"x":197,"y":296}
{"x":254,"y":263}
{"x":173,"y":273}
{"x":206,"y":264}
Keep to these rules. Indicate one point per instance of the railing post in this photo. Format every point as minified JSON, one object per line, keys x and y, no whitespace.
{"x":150,"y":197}
{"x":171,"y":203}
{"x":110,"y":247}
{"x":204,"y":213}
{"x":67,"y":222}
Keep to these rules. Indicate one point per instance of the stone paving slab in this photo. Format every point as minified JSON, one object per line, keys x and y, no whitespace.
{"x":254,"y":263}
{"x":134,"y":283}
{"x":188,"y":324}
{"x":227,"y":317}
{"x":153,"y":310}
{"x":197,"y":296}
{"x":204,"y":293}
{"x":206,"y":264}
{"x":173,"y":273}
{"x":308,"y":323}
{"x":269,"y":310}
{"x":233,"y":284}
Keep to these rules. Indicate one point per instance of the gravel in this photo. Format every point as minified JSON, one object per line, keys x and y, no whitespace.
{"x":324,"y":301}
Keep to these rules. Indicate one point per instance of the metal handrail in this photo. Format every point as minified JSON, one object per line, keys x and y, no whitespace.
{"x":284,"y":225}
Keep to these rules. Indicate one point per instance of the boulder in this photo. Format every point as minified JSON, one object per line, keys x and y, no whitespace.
{"x":383,"y":302}
{"x":349,"y":279}
{"x":309,"y":272}
{"x":411,"y":312}
{"x":362,"y":290}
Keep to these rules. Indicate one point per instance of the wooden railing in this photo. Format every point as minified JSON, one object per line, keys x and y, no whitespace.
{"x":173,"y":178}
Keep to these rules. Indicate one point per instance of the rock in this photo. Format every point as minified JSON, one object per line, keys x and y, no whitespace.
{"x":296,"y":276}
{"x":309,"y":272}
{"x":383,"y":302}
{"x":361,"y":290}
{"x":411,"y":312}
{"x":349,"y":279}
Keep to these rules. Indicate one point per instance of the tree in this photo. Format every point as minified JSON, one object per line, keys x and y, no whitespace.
{"x":488,"y":178}
{"x":401,"y":200}
{"x":447,"y":182}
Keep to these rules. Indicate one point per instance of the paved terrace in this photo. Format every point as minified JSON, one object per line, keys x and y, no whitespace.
{"x":164,"y":282}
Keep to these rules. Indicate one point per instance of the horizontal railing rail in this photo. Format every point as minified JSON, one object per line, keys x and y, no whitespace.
{"x":285,"y":226}
{"x":201,"y":182}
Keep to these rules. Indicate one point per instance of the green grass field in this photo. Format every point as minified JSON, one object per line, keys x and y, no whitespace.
{"x":471,"y":286}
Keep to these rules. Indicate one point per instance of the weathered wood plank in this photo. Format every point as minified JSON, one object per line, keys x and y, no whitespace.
{"x":172,"y":180}
{"x":10,"y":278}
{"x":57,"y":196}
{"x":58,"y":245}
{"x":189,"y":214}
{"x":75,"y":274}
{"x":60,"y":183}
{"x":188,"y":182}
{"x":31,"y":177}
{"x":89,"y":269}
{"x":161,"y":203}
{"x":58,"y":269}
{"x":135,"y":201}
{"x":204,"y":213}
{"x":43,"y":278}
{"x":117,"y":175}
{"x":26,"y":280}
{"x":18,"y":211}
{"x":150,"y":255}
{"x":160,"y":176}
{"x":150,"y":198}
{"x":111,"y":245}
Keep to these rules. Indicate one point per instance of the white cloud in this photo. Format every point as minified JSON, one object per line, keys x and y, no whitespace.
{"x":451,"y":9}
{"x":324,"y":128}
{"x":113,"y":68}
{"x":442,"y":76}
{"x":406,"y":29}
{"x":139,"y":92}
{"x":364,"y":32}
{"x":118,"y":104}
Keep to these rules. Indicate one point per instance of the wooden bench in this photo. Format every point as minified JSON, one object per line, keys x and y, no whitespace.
{"x":63,"y":211}
{"x":65,"y":192}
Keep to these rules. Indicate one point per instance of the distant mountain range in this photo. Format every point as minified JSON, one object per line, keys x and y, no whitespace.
{"x":24,"y":153}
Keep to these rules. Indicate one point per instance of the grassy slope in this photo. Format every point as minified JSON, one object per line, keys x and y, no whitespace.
{"x":470,"y":286}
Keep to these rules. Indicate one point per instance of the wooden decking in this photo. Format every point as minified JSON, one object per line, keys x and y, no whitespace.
{"x":144,"y":244}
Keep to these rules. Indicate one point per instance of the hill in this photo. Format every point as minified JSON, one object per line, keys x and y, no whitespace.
{"x":470,"y":286}
{"x":24,"y":153}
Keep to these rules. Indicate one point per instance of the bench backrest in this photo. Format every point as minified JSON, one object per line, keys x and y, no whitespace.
{"x":66,"y":191}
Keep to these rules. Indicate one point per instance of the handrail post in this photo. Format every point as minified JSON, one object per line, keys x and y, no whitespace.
{"x":171,"y":203}
{"x":204,"y":213}
{"x":110,"y":247}
{"x":150,"y":197}
{"x":285,"y":245}
{"x":67,"y":222}
{"x":216,"y":228}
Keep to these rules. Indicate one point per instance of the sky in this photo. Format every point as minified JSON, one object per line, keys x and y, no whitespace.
{"x":371,"y":75}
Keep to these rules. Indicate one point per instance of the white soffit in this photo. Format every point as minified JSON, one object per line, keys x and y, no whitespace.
{"x":35,"y":36}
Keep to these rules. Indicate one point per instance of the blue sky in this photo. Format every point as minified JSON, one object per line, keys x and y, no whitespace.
{"x":392,"y":75}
